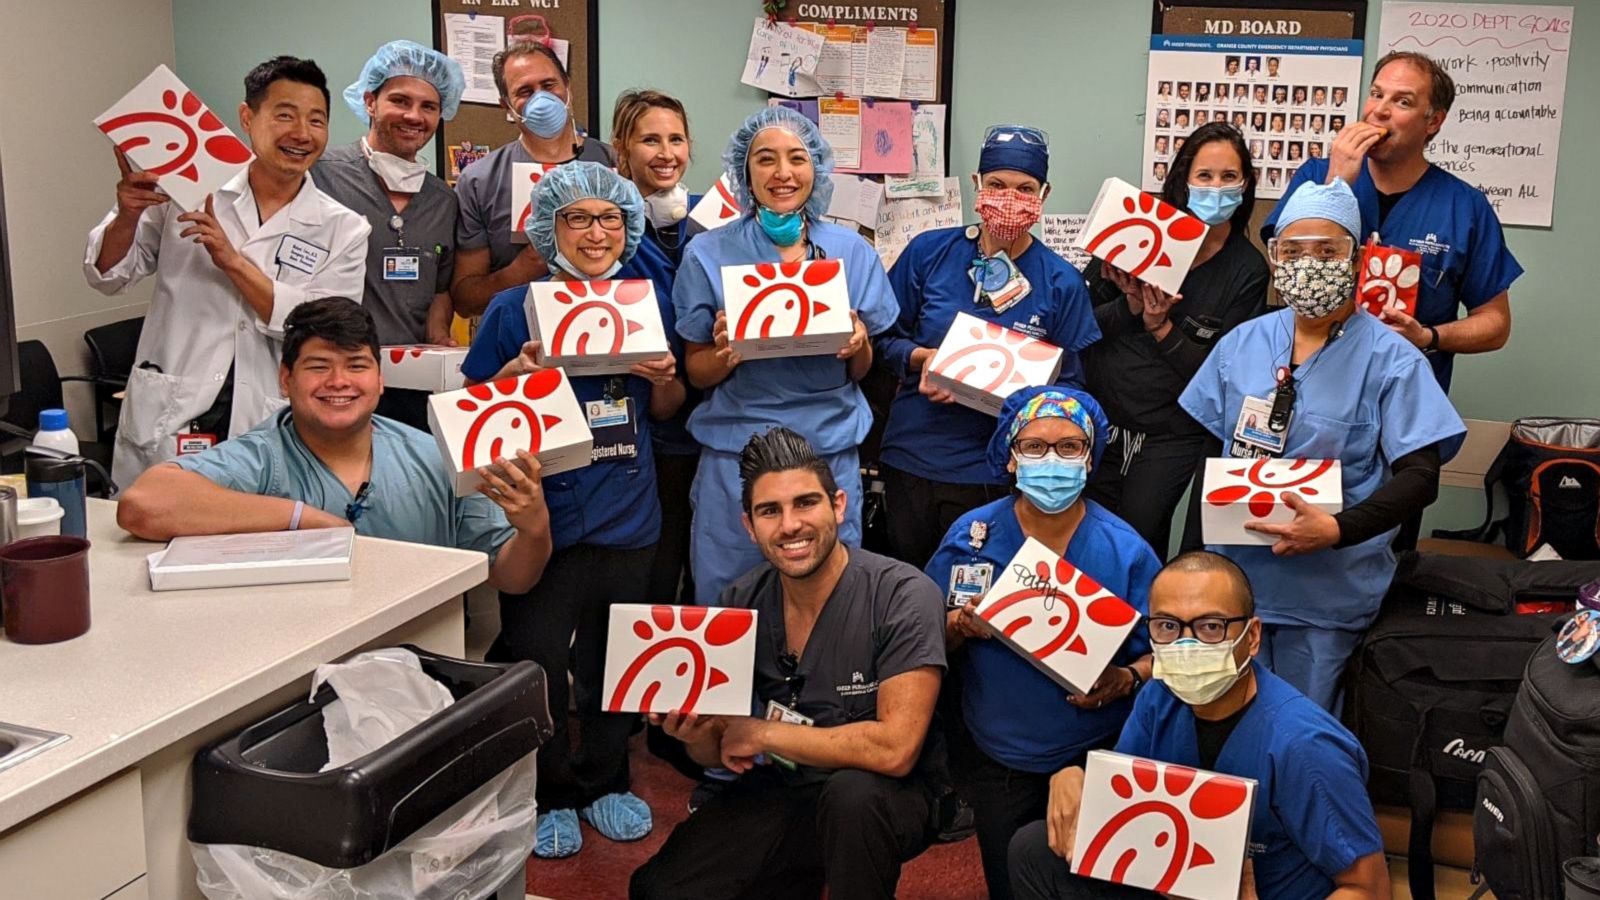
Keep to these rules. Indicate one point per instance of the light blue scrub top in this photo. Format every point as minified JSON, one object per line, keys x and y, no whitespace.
{"x":1312,"y":819}
{"x":1465,"y":262}
{"x":1365,"y":399}
{"x":812,"y":395}
{"x":410,"y":498}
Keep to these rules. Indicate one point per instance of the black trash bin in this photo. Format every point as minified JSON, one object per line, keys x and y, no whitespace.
{"x":262,"y":788}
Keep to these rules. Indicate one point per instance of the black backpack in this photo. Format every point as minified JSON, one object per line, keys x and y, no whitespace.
{"x":1539,"y":794}
{"x":1550,"y":469}
{"x":1432,"y":684}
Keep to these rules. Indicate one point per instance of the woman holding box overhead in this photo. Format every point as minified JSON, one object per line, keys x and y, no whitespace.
{"x":1325,"y":380}
{"x":933,"y":462}
{"x":604,"y":518}
{"x":1154,"y":341}
{"x":778,"y":164}
{"x":1021,"y":726}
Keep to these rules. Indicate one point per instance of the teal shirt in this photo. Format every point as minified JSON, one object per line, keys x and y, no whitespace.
{"x":410,"y":498}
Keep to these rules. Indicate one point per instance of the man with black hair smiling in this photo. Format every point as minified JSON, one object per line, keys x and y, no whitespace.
{"x":327,"y":461}
{"x":848,"y":662}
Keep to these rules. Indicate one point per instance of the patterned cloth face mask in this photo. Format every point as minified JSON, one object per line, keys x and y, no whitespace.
{"x":1314,"y":287}
{"x":1007,"y":212}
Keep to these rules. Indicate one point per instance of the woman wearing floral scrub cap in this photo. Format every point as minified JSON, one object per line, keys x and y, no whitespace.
{"x":1339,"y":385}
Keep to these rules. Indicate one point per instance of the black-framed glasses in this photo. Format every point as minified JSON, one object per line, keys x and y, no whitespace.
{"x":1066,"y":448}
{"x":793,"y":681}
{"x":1206,"y":629}
{"x":578,"y":220}
{"x":358,"y":504}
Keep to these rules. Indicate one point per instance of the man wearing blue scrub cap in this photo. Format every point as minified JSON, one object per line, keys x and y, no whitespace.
{"x":402,"y":94}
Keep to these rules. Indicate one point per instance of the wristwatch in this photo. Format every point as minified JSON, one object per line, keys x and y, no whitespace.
{"x":1433,"y":340}
{"x":1138,"y":681}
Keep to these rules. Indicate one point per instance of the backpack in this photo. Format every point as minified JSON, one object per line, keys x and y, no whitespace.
{"x":1431,"y":686}
{"x":1550,"y":469}
{"x":1539,"y":792}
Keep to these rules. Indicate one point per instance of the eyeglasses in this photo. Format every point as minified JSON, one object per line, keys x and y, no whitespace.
{"x":1066,"y":448}
{"x":1025,"y":133}
{"x":1290,"y":249}
{"x":1206,"y":629}
{"x":793,"y":681}
{"x":578,"y":220}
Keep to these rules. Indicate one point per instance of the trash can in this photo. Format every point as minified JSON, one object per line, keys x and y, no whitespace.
{"x":444,"y":810}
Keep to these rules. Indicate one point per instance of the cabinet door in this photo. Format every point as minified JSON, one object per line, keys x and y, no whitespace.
{"x":91,"y":845}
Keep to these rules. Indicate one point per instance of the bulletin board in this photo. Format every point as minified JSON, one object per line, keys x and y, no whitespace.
{"x":483,"y":124}
{"x":939,"y":15}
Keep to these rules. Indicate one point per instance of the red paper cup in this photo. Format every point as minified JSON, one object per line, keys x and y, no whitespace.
{"x":46,"y":588}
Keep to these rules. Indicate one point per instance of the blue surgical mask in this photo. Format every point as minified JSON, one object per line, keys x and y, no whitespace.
{"x":782,"y":228}
{"x":566,"y":266}
{"x":1050,"y":482}
{"x":545,"y":114}
{"x":1215,"y":205}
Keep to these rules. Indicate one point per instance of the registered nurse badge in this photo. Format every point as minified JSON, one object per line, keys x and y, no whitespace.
{"x":977,"y":533}
{"x":1579,"y":637}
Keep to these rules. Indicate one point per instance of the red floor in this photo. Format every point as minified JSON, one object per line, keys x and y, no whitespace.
{"x":600,"y":871}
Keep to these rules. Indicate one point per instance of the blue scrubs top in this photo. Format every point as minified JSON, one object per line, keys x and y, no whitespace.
{"x":1465,"y":261}
{"x":811,"y":394}
{"x":946,"y":441}
{"x":611,"y":502}
{"x":1312,"y":819}
{"x":657,"y":259}
{"x":1364,"y":399}
{"x":1016,"y":714}
{"x":409,"y":498}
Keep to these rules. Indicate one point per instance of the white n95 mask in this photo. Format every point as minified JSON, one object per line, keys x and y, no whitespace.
{"x":403,"y":176}
{"x":1197,"y":673}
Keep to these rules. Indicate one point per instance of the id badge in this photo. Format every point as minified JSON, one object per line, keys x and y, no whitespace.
{"x":777,"y":712}
{"x":615,"y":428}
{"x":195,"y":442}
{"x":968,"y":583}
{"x":1252,"y":438}
{"x":999,"y":283}
{"x":401,"y":264}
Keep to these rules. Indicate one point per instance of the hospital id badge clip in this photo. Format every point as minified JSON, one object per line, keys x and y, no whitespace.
{"x":968,"y":583}
{"x":401,"y":264}
{"x":195,"y":441}
{"x":1253,"y":435}
{"x":777,"y":712}
{"x":998,"y":282}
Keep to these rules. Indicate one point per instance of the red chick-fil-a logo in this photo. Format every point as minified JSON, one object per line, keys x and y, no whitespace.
{"x":1215,"y":798}
{"x":1016,"y":614}
{"x":1144,"y":234}
{"x":595,"y":321}
{"x":506,"y":419}
{"x":143,"y":128}
{"x":990,"y":364}
{"x":677,"y":630}
{"x":1267,"y":479}
{"x":1389,"y":279}
{"x":774,"y":283}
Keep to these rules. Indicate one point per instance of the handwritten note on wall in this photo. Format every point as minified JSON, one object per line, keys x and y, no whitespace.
{"x":1509,"y":63}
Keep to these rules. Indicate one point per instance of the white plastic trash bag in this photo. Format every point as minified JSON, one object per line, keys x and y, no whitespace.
{"x":468,"y":851}
{"x":382,"y":695}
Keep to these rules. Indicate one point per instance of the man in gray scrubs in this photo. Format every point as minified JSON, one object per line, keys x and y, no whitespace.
{"x":403,"y":93}
{"x":536,"y":94}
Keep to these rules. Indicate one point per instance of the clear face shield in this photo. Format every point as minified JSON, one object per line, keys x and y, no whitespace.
{"x":1283,"y":251}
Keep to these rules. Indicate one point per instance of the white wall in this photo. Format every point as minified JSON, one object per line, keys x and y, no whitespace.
{"x":61,"y":70}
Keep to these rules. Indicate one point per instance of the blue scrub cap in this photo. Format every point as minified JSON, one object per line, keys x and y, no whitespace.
{"x":1333,"y":201}
{"x":398,"y":58}
{"x":736,"y":158}
{"x":567,"y":184}
{"x":1019,"y":148}
{"x":1048,"y":401}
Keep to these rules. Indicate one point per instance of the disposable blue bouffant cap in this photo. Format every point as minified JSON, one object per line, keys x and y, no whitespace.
{"x":52,"y":419}
{"x":398,"y":58}
{"x":1333,"y":201}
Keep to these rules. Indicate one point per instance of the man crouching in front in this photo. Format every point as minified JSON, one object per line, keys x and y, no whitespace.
{"x":848,"y":662}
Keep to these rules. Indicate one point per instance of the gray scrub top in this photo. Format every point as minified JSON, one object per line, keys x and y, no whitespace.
{"x":485,"y":219}
{"x":399,"y":307}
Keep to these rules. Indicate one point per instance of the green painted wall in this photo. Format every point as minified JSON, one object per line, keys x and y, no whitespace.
{"x":1074,"y":67}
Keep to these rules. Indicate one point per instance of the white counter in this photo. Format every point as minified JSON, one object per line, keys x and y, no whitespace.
{"x":156,"y":671}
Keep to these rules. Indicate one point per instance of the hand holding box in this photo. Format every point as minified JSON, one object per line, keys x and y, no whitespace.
{"x":787,"y":309}
{"x":1389,"y":279}
{"x":982,"y":363}
{"x":164,"y":129}
{"x":596,"y":327}
{"x":1244,"y":490}
{"x":537,"y":412}
{"x":422,"y":367}
{"x":698,"y":659}
{"x":1171,"y":829}
{"x":1056,"y":617}
{"x":1142,"y":235}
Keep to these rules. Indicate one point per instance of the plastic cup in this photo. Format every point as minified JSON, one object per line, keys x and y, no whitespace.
{"x":45,"y":583}
{"x":38,"y":517}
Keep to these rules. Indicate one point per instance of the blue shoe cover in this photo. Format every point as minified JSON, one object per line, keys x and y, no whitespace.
{"x":557,"y":835}
{"x":620,"y":817}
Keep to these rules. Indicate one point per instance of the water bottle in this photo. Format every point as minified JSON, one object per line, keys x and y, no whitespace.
{"x":56,"y":432}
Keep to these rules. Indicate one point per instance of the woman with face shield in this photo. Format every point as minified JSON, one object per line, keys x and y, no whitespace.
{"x":1331,"y":382}
{"x":778,"y":164}
{"x":1020,"y":727}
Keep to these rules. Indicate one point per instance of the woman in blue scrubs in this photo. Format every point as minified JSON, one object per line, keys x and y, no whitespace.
{"x":778,"y":164}
{"x":1154,"y":341}
{"x":1021,"y":727}
{"x":1331,"y":382}
{"x":932,"y":460}
{"x":604,"y":518}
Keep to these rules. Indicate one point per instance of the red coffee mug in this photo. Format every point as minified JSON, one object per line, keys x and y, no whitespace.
{"x":45,"y":581}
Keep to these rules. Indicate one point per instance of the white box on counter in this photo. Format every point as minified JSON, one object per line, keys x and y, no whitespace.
{"x":787,"y":309}
{"x":246,"y":560}
{"x":1237,"y":491}
{"x":538,"y":413}
{"x":697,"y":659}
{"x":596,"y":327}
{"x":423,"y":367}
{"x":982,"y":363}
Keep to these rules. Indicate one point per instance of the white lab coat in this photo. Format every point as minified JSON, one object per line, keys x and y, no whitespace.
{"x":199,"y":323}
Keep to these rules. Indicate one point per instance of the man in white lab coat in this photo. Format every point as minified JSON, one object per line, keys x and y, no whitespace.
{"x":226,"y":275}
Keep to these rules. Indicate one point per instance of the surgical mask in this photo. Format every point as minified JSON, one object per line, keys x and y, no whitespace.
{"x":566,"y":266}
{"x":403,"y":176}
{"x":1195,"y":672}
{"x":545,"y":114}
{"x":1314,"y":287}
{"x":1050,"y":482}
{"x":782,"y":228}
{"x":1007,"y":213}
{"x":1215,"y":205}
{"x":667,"y":208}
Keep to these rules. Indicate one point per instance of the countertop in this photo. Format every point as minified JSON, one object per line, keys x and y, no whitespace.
{"x":156,"y":667}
